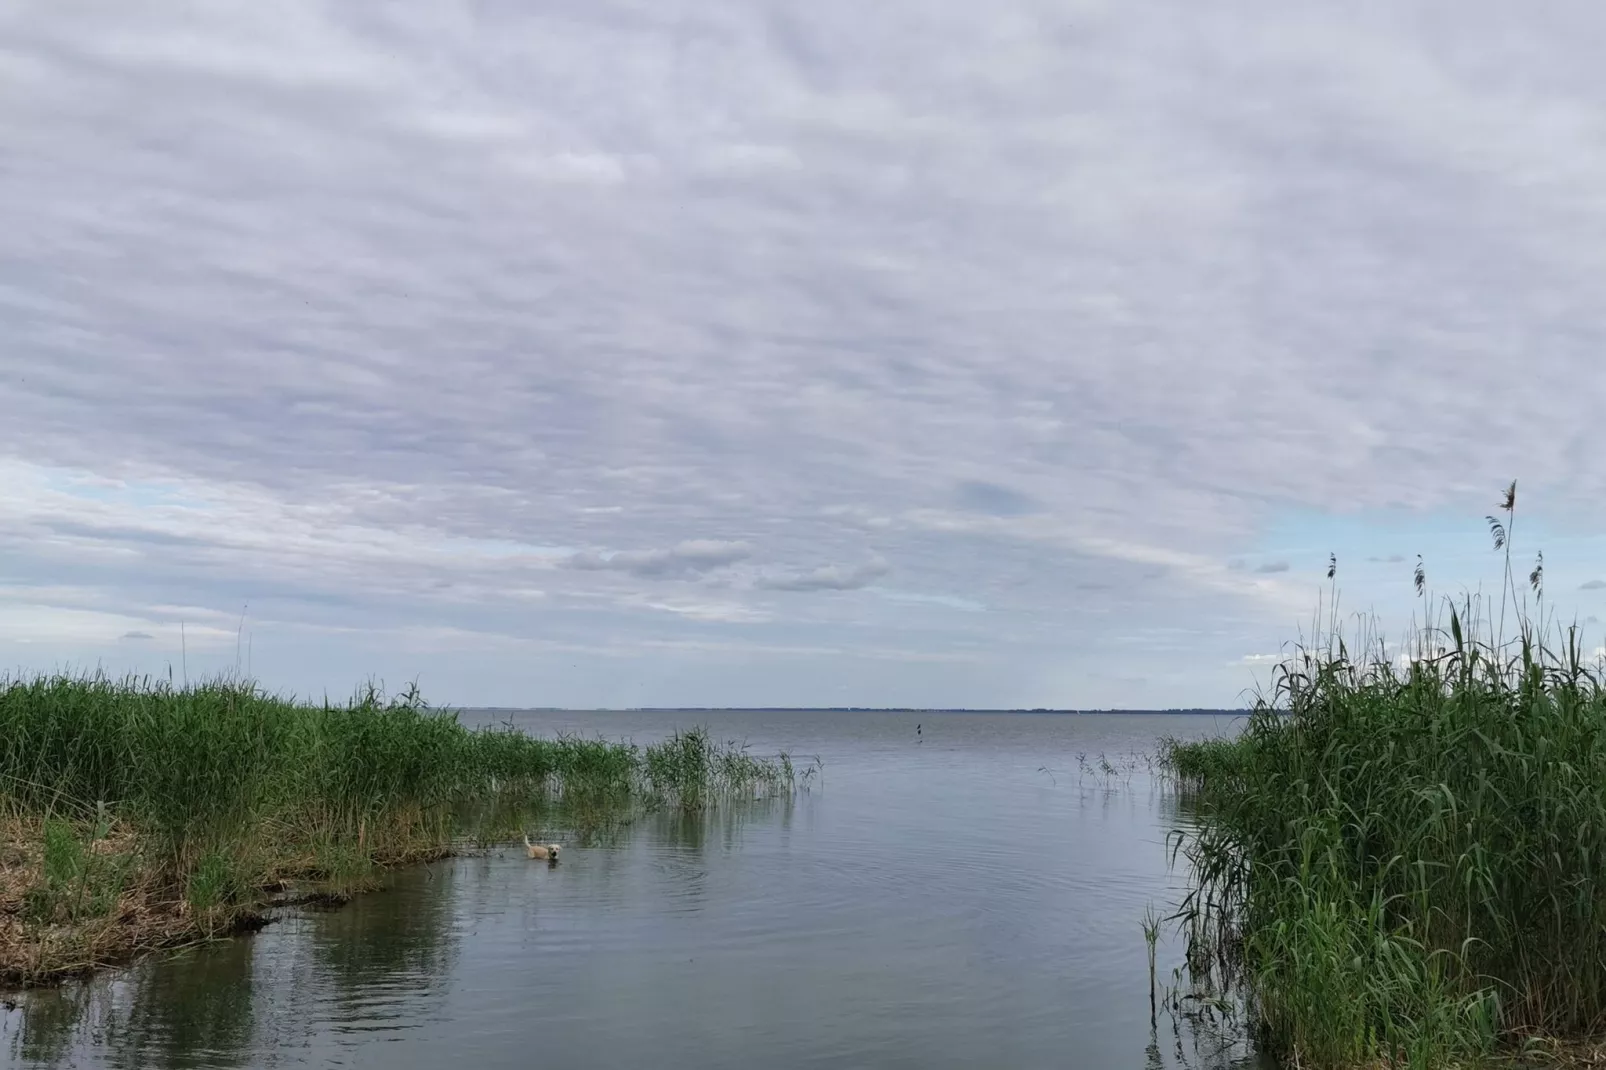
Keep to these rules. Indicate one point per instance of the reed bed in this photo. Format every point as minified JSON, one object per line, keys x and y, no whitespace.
{"x":135,"y":814}
{"x":1402,"y":860}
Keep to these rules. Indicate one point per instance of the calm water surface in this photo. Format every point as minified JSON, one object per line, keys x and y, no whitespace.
{"x":965,"y":897}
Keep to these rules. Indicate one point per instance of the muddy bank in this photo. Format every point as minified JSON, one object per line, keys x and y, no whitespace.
{"x":78,"y":897}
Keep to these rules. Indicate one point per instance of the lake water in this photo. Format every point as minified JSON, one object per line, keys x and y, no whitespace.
{"x":968,"y":896}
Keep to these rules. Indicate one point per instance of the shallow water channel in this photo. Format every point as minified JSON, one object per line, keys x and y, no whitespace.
{"x":970,"y":895}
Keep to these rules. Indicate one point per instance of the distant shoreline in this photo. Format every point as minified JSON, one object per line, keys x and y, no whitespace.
{"x":1196,"y":712}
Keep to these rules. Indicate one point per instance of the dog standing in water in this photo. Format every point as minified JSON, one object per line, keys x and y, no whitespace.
{"x":547,"y":852}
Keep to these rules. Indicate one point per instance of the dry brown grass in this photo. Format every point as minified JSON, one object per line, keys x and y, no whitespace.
{"x":149,"y":913}
{"x":1550,"y":1054}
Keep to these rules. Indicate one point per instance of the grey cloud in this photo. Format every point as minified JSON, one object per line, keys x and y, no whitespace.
{"x":827,"y":578}
{"x":872,"y":365}
{"x":1391,"y":559}
{"x":1272,"y":567}
{"x":255,"y":250}
{"x":690,"y":558}
{"x":1593,"y":585}
{"x":124,"y":535}
{"x":137,"y":635}
{"x":995,"y":499}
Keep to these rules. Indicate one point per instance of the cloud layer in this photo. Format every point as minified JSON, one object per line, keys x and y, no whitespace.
{"x":690,"y":559}
{"x":827,"y":578}
{"x":574,"y":334}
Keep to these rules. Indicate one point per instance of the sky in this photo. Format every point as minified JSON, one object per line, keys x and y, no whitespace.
{"x":747,"y":352}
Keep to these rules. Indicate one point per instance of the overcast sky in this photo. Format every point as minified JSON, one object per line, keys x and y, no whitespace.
{"x":725,"y":352}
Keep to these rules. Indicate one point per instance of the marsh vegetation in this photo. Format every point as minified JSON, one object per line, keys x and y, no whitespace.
{"x":135,"y":814}
{"x":1402,"y":859}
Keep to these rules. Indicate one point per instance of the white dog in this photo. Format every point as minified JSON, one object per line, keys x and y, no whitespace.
{"x":546,"y":851}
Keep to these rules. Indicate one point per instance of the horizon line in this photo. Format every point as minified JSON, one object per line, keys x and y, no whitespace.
{"x":1184,"y":710}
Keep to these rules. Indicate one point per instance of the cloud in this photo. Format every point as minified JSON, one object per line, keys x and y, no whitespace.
{"x":950,"y":601}
{"x":688,"y":559}
{"x":137,"y":635}
{"x":38,"y":616}
{"x":982,"y":496}
{"x":1260,"y":659}
{"x":1593,"y":585}
{"x":718,"y":612}
{"x":1271,"y":567}
{"x":826,"y":578}
{"x":394,"y":320}
{"x":1391,"y":559}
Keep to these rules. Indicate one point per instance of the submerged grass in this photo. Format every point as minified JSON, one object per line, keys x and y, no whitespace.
{"x":1402,"y":861}
{"x":138,"y":814}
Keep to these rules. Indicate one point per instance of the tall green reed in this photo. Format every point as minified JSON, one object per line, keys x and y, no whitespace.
{"x":691,"y":769}
{"x":1403,"y":858}
{"x":198,"y":766}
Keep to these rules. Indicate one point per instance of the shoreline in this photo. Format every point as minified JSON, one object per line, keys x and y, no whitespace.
{"x":136,"y":816}
{"x":149,"y":914}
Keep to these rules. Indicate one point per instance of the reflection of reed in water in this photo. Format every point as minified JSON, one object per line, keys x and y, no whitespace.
{"x":595,"y":822}
{"x":573,"y":820}
{"x":403,"y":935}
{"x":365,"y":964}
{"x":1208,"y":1025}
{"x":164,"y":1013}
{"x":376,"y":949}
{"x":202,"y":1002}
{"x":693,"y":828}
{"x":46,"y":1024}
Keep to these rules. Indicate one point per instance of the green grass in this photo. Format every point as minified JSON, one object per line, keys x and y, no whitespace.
{"x":1406,"y":863}
{"x":228,"y":790}
{"x":78,"y":877}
